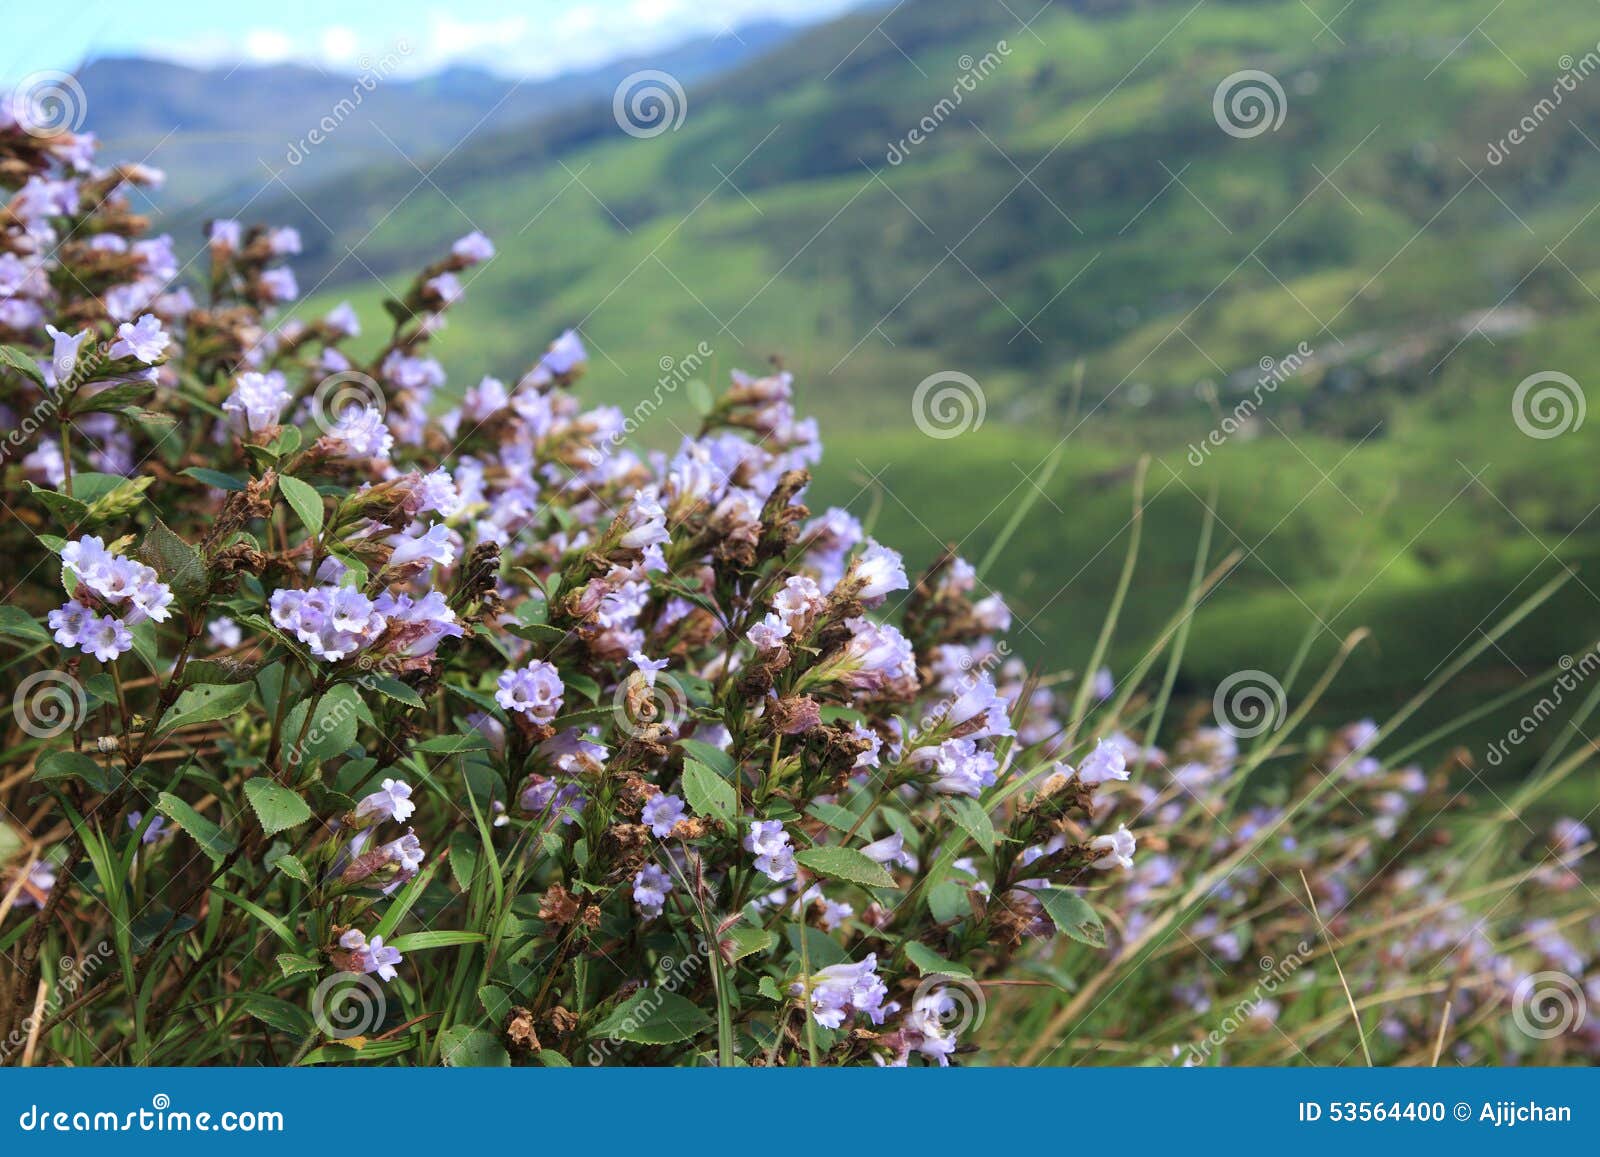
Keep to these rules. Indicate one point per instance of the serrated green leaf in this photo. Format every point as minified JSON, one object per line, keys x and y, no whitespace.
{"x":333,"y":725}
{"x":769,"y":989}
{"x":452,"y":744}
{"x":930,"y":963}
{"x":176,"y":563}
{"x":206,"y":702}
{"x":74,"y":764}
{"x":464,"y":1047}
{"x":214,"y":478}
{"x":653,"y":1016}
{"x":715,"y":758}
{"x":747,"y":941}
{"x":304,"y":500}
{"x":846,"y":864}
{"x":291,"y":866}
{"x":391,"y":688}
{"x":293,"y":965}
{"x":215,"y":842}
{"x":970,"y":817}
{"x":276,"y":807}
{"x":19,"y":624}
{"x":707,"y":792}
{"x":20,"y":360}
{"x":1072,"y":916}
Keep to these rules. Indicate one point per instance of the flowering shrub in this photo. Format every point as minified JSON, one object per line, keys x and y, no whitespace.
{"x":367,"y":721}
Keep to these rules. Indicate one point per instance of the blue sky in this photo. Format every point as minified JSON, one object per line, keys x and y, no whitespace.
{"x":529,"y":38}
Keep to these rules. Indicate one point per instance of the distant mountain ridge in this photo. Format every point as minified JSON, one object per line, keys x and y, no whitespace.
{"x":226,"y":129}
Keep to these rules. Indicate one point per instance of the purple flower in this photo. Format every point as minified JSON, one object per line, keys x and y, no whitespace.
{"x":661,"y":814}
{"x":69,"y":621}
{"x":224,"y":632}
{"x":435,"y":545}
{"x":259,"y":399}
{"x":960,"y":768}
{"x":647,"y":666}
{"x":1105,"y":763}
{"x":474,"y":247}
{"x":842,"y":990}
{"x":342,"y":320}
{"x":226,"y":233}
{"x":157,"y":829}
{"x":372,"y":956}
{"x":143,"y":340}
{"x":769,"y":634}
{"x":106,"y":638}
{"x":891,"y":850}
{"x":879,"y":570}
{"x":279,"y":284}
{"x":392,"y":801}
{"x":360,"y":433}
{"x":770,"y":844}
{"x":1115,"y":850}
{"x":650,"y":888}
{"x":535,"y":691}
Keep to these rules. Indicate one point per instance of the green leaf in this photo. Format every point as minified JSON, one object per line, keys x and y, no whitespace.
{"x":700,"y":397}
{"x":452,"y":744}
{"x":715,"y":758}
{"x":391,"y":688}
{"x":214,"y":478}
{"x":293,"y":867}
{"x":970,"y":817}
{"x":747,"y":941}
{"x":292,"y":965}
{"x":66,"y":510}
{"x":707,"y":792}
{"x":19,"y":624}
{"x":496,"y":1004}
{"x":278,"y":808}
{"x":121,"y":500}
{"x":215,"y":842}
{"x":176,"y":562}
{"x":279,"y":1014}
{"x":769,"y":989}
{"x":820,"y":949}
{"x":465,"y":1047}
{"x":653,"y":1016}
{"x":551,"y":1059}
{"x":70,"y":764}
{"x":205,"y":702}
{"x":422,"y":941}
{"x":305,"y":500}
{"x":1072,"y":916}
{"x":930,"y":963}
{"x":20,"y":360}
{"x":222,"y":670}
{"x":111,"y":399}
{"x":846,"y":864}
{"x":333,"y":724}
